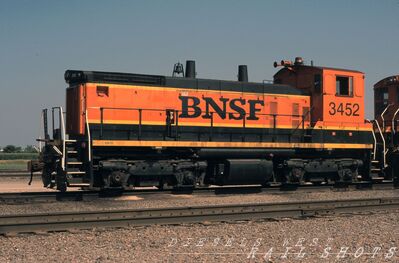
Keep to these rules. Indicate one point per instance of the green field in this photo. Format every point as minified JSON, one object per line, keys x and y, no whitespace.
{"x":13,"y":165}
{"x":16,"y":161}
{"x":18,"y":156}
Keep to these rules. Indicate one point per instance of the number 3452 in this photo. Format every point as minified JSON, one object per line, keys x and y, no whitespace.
{"x":348,"y":109}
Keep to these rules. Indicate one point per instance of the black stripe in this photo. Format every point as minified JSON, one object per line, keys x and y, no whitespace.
{"x":227,"y":134}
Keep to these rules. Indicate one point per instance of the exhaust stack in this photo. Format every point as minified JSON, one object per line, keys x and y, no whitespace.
{"x":243,"y":73}
{"x":190,"y":69}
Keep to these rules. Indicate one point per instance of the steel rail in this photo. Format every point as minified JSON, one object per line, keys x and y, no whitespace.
{"x":61,"y":221}
{"x":80,"y":195}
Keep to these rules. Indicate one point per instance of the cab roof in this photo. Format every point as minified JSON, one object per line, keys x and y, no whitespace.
{"x":322,"y":68}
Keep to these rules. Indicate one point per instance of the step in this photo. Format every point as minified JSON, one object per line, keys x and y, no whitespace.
{"x":378,"y":178}
{"x":375,"y":170}
{"x":70,"y":141}
{"x":72,"y":151}
{"x":387,"y":181}
{"x":78,"y":185}
{"x":76,"y":172}
{"x":74,"y":163}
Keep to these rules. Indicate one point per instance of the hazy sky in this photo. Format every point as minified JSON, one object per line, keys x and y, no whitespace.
{"x":39,"y":40}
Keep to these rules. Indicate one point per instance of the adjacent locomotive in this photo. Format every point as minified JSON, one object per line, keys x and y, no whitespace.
{"x":386,"y":109}
{"x":133,"y":129}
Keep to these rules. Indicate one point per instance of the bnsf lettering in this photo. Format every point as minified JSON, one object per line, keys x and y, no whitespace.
{"x":210,"y":103}
{"x":253,"y":109}
{"x":233,"y":109}
{"x":190,"y":107}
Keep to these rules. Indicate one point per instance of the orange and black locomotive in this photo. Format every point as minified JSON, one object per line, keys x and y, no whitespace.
{"x":125,"y":129}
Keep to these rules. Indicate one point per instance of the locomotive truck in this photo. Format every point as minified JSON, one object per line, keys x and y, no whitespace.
{"x":123,"y":129}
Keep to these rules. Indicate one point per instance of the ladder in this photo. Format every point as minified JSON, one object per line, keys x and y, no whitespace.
{"x":75,"y":166}
{"x":378,"y":161}
{"x":71,"y":160}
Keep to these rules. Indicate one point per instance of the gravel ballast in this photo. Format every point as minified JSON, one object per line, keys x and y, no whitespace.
{"x":359,"y":238}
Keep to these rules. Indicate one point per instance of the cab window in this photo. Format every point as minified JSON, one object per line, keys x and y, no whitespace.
{"x":381,"y":100}
{"x":385,"y":98}
{"x":344,"y":86}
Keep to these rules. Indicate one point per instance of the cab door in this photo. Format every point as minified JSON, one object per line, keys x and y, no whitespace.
{"x":343,"y":98}
{"x":74,"y":117}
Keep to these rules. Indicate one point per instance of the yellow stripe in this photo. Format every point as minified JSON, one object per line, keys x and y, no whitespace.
{"x":116,"y":86}
{"x":342,"y":128}
{"x":195,"y":144}
{"x":190,"y":124}
{"x":239,"y":125}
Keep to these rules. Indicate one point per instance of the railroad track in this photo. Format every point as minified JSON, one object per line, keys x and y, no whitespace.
{"x":29,"y":197}
{"x":62,"y":221}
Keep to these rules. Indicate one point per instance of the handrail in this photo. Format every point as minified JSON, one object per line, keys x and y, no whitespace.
{"x":383,"y":143}
{"x":88,"y":135}
{"x":303,"y":121}
{"x":63,"y":132}
{"x":375,"y":141}
{"x":264,"y":120}
{"x":227,"y":112}
{"x":102,"y":110}
{"x":41,"y":130}
{"x":63,"y":138}
{"x":382,"y":116}
{"x":393,"y":121}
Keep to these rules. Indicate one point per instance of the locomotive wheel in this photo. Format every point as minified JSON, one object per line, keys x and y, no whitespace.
{"x":201,"y":180}
{"x":188,"y":178}
{"x":161,"y":183}
{"x":116,"y":179}
{"x":185,"y":178}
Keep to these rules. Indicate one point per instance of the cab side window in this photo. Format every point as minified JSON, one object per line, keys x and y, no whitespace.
{"x":102,"y":91}
{"x":344,"y":86}
{"x":381,"y":100}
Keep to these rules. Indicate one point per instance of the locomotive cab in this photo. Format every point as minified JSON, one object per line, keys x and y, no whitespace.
{"x":386,"y":103}
{"x":337,"y":95}
{"x":337,"y":110}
